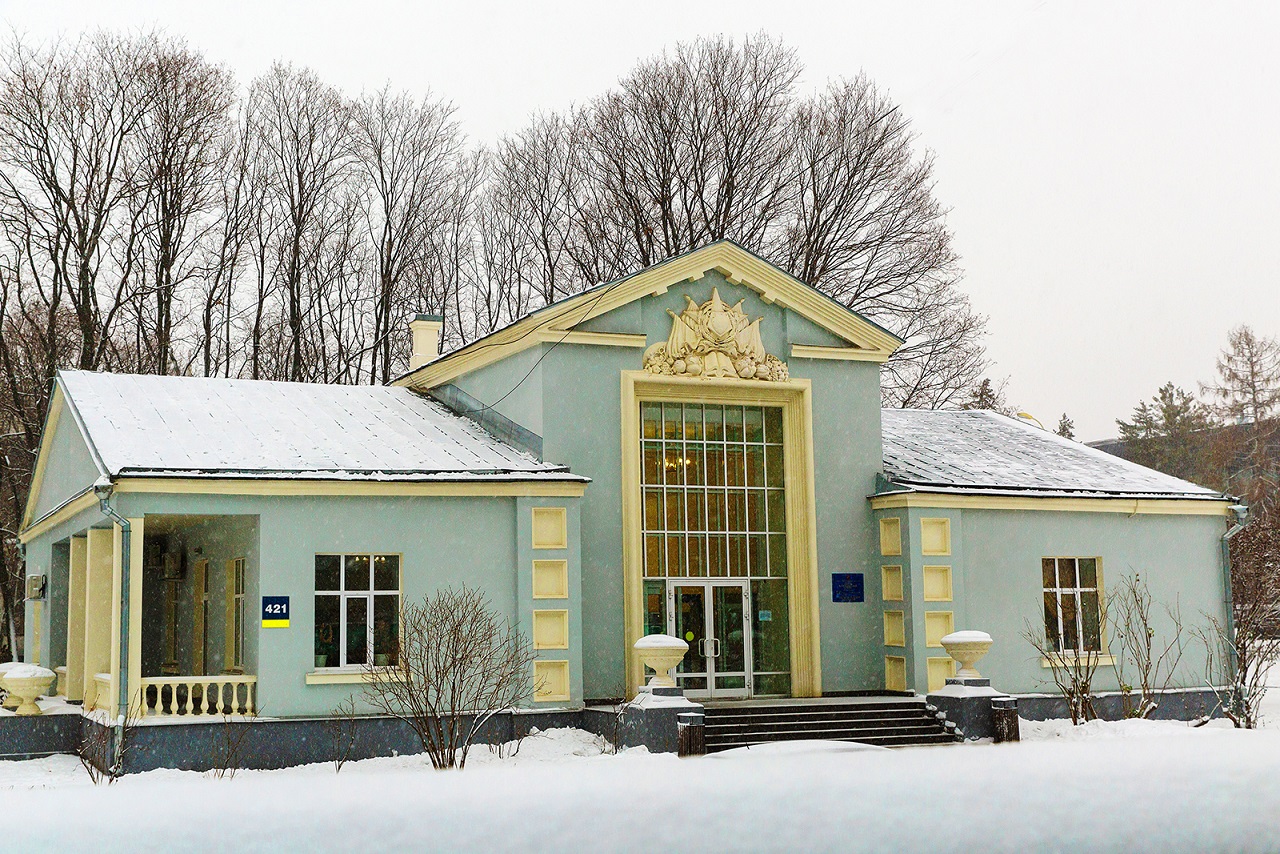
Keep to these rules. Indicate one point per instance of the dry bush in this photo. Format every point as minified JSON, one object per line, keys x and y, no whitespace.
{"x":459,"y":664}
{"x":226,"y":744}
{"x":1238,"y":656}
{"x":341,"y":727}
{"x":1072,"y":671}
{"x":97,"y":747}
{"x":1152,"y":660}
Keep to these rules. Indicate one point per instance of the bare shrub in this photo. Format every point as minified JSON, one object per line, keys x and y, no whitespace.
{"x":225,"y":747}
{"x":1139,"y":651}
{"x":1239,"y":655}
{"x":341,"y":727}
{"x":1072,"y":671}
{"x":97,"y":749}
{"x":459,"y":664}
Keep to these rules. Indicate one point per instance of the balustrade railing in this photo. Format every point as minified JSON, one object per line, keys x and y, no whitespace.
{"x":225,"y":694}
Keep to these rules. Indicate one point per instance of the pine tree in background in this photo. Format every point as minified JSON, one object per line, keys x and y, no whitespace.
{"x":1066,"y":427}
{"x":1170,"y":433}
{"x":988,"y":395}
{"x":1247,"y":398}
{"x":1248,"y":387}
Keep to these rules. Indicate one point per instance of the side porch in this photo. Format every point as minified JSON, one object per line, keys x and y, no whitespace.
{"x":184,"y":598}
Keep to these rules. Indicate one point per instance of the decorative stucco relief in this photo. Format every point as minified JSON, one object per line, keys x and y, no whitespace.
{"x":714,"y":340}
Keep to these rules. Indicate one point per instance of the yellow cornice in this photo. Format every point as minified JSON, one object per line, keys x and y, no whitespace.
{"x":264,"y":486}
{"x":250,"y":486}
{"x":737,"y":265}
{"x":847,"y":354}
{"x":42,"y":457}
{"x":1127,"y":506}
{"x":58,"y":515}
{"x":599,"y":339}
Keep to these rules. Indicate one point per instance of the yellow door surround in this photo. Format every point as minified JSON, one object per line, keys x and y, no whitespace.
{"x":795,"y":399}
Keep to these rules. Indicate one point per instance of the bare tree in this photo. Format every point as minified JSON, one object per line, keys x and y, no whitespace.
{"x":459,"y":664}
{"x":1239,"y":654}
{"x":1151,"y":657}
{"x":407,"y":153}
{"x":1071,"y":670}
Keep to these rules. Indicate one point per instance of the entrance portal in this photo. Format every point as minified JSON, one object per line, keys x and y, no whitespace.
{"x":713,"y":617}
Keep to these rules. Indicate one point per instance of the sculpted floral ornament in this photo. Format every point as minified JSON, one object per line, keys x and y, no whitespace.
{"x":714,"y":340}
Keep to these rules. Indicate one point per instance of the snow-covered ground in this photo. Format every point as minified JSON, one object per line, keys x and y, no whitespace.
{"x":1129,"y":786}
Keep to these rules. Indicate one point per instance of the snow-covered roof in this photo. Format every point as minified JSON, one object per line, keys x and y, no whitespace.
{"x":985,"y":452}
{"x":211,"y":427}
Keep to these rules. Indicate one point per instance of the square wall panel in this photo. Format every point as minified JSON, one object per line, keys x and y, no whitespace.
{"x":940,"y":670}
{"x":550,"y":579}
{"x":937,"y":625}
{"x":895,"y":673}
{"x":550,"y":681}
{"x":891,"y":536}
{"x":550,"y":528}
{"x":550,"y":629}
{"x":935,"y":536}
{"x":891,"y":583}
{"x":937,"y":584}
{"x":895,"y":629}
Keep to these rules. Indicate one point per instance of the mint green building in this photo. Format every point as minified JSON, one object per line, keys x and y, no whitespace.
{"x":697,"y":449}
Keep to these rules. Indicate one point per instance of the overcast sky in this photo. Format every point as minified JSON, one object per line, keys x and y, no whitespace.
{"x":1111,"y":173}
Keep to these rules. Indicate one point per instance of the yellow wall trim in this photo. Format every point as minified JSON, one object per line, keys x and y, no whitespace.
{"x":75,"y":506}
{"x":937,"y":625}
{"x":263,"y":486}
{"x":935,"y":536}
{"x":846,"y":354}
{"x":895,"y":633}
{"x":795,"y":398}
{"x":937,"y":583}
{"x":340,"y":677}
{"x":940,"y":670}
{"x":1129,"y":506}
{"x":551,"y":579}
{"x":551,"y":629}
{"x":891,"y":536}
{"x":550,"y":528}
{"x":551,"y":681}
{"x":895,"y":673}
{"x":891,"y":583}
{"x":598,"y":339}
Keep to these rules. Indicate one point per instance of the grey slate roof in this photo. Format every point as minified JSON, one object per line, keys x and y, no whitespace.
{"x":195,"y":426}
{"x":977,"y":451}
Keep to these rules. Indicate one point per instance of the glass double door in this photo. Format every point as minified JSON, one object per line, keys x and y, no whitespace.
{"x":713,"y":617}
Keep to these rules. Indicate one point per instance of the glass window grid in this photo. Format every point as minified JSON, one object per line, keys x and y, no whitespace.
{"x":690,"y":522}
{"x":1067,"y":569}
{"x":368,"y":593}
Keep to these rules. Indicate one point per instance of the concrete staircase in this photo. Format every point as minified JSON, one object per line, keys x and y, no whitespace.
{"x":882,"y":721}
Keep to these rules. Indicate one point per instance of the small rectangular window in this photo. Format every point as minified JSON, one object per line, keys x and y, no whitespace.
{"x":357,"y":610}
{"x":1072,"y":609}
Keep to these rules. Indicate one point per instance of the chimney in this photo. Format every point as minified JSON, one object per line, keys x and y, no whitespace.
{"x":426,"y":330}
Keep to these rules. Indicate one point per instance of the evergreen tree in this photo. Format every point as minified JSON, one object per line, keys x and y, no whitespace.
{"x":1248,"y":388}
{"x":1170,"y":433}
{"x":1066,"y":427}
{"x":987,"y":395}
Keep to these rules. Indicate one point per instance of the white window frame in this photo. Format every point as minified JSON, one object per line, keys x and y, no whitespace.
{"x":368,"y":595}
{"x":1057,"y":592}
{"x":237,"y":610}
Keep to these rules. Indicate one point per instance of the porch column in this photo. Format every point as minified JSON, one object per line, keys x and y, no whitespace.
{"x":135,"y":614}
{"x":97,"y":611}
{"x":75,"y":618}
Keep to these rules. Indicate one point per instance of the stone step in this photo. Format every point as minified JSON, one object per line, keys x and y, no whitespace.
{"x":877,"y":741}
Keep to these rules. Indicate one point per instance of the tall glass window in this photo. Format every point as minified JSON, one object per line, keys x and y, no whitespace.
{"x":357,"y":610}
{"x":714,"y":493}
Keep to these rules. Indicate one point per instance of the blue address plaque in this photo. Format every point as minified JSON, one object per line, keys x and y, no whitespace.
{"x":847,"y":587}
{"x":275,"y":612}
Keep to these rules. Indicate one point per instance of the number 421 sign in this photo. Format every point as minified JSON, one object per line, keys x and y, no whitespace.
{"x":275,"y":612}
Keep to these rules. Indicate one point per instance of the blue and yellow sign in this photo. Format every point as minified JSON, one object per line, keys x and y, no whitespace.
{"x":275,"y":612}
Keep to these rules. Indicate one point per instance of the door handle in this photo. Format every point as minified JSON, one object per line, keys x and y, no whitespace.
{"x":702,"y":647}
{"x":716,"y":653}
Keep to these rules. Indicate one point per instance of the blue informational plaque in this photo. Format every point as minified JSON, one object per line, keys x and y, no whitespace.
{"x":846,"y":587}
{"x":275,"y":612}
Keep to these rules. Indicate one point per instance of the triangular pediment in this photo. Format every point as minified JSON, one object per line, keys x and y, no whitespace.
{"x":863,"y":339}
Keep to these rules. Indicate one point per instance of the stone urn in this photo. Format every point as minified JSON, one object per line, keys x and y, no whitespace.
{"x":966,"y":648}
{"x":28,"y":681}
{"x":11,"y":700}
{"x":661,"y":654}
